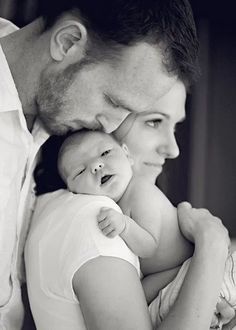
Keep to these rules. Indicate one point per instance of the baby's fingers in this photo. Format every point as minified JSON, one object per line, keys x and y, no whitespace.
{"x":107,"y":230}
{"x":103,"y":213}
{"x":103,"y":223}
{"x":112,"y":234}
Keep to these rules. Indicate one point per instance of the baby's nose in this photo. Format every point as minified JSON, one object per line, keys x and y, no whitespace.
{"x":96,"y":166}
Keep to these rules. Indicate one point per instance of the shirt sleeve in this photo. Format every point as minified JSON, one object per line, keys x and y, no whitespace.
{"x":81,"y":241}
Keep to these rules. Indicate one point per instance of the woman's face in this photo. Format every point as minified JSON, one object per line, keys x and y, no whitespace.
{"x":150,"y":137}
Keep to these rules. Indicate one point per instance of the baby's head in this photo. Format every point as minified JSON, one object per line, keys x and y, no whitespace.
{"x":93,"y":162}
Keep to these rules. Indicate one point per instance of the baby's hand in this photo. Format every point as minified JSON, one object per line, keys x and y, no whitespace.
{"x":111,"y":222}
{"x":224,"y":313}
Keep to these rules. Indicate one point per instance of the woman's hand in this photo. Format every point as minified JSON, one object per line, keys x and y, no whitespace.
{"x":210,"y":237}
{"x":200,"y":226}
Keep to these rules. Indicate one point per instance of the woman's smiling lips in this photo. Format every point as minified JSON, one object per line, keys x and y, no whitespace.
{"x":154,"y":164}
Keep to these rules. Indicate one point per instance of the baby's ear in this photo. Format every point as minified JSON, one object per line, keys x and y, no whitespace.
{"x":126,"y":151}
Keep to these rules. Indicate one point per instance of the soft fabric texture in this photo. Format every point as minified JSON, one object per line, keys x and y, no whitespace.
{"x":18,"y":149}
{"x":63,"y":236}
{"x":160,"y":307}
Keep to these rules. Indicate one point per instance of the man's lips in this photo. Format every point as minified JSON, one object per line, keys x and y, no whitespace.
{"x":106,"y":178}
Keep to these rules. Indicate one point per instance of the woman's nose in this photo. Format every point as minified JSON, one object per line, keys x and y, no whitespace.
{"x":170,"y":147}
{"x":96,"y":166}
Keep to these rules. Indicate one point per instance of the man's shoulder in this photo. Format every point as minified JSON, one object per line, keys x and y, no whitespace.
{"x":6,"y":27}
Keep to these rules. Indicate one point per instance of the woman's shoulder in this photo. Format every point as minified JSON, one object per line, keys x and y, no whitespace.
{"x":64,"y":202}
{"x":63,"y":209}
{"x":64,"y":196}
{"x":142,"y":191}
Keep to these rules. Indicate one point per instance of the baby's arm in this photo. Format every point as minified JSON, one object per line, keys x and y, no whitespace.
{"x":140,"y":241}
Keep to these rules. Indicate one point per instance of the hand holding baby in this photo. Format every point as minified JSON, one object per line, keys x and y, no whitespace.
{"x":199,"y":225}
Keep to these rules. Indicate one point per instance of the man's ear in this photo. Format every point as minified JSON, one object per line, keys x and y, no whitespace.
{"x":69,"y":38}
{"x":126,"y":151}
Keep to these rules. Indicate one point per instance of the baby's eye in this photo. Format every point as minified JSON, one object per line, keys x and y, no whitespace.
{"x":81,"y":171}
{"x":105,"y":153}
{"x":154,"y":123}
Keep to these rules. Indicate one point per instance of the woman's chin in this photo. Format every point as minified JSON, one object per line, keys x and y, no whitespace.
{"x":150,"y":174}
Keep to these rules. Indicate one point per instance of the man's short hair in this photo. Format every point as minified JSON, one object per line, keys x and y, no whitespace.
{"x":167,"y":23}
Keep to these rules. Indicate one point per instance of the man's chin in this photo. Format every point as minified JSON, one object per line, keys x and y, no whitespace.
{"x":53,"y":129}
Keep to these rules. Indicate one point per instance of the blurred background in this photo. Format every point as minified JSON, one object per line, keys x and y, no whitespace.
{"x":204,"y":173}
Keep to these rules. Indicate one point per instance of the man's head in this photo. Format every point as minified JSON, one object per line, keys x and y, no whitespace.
{"x":92,"y":162}
{"x":99,"y":60}
{"x":113,"y":24}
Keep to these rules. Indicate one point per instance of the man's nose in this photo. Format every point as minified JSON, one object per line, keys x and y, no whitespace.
{"x":109,"y":123}
{"x":96,"y":166}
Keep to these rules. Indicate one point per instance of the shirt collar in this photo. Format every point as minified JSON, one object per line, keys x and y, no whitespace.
{"x":9,"y":98}
{"x":39,"y":133}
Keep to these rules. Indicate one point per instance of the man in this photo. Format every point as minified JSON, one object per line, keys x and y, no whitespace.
{"x":86,"y":64}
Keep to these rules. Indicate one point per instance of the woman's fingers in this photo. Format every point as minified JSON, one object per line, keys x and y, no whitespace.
{"x":184,"y":205}
{"x":199,"y":225}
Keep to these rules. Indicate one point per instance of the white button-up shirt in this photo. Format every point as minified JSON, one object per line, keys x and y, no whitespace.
{"x":18,"y":153}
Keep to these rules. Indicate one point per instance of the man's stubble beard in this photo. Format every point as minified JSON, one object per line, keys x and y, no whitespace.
{"x":51,"y":101}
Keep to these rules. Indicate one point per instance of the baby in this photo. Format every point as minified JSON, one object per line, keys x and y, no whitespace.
{"x":92,"y":162}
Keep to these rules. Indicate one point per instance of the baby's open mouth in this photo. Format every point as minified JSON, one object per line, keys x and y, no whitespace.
{"x":105,"y":178}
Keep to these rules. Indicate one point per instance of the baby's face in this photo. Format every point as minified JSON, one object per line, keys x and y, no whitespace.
{"x":97,"y":165}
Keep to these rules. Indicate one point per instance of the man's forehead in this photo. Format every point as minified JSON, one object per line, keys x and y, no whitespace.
{"x":141,"y":69}
{"x":140,"y":100}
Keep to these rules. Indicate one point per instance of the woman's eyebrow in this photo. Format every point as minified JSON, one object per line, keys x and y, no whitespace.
{"x":168,"y":117}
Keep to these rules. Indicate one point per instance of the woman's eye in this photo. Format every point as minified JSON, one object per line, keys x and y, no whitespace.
{"x":154,"y":123}
{"x":105,"y":153}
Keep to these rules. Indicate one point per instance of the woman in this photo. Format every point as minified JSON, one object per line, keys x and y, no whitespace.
{"x":105,"y":290}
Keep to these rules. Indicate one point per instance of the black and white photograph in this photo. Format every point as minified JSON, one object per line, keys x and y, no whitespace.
{"x":117,"y":167}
